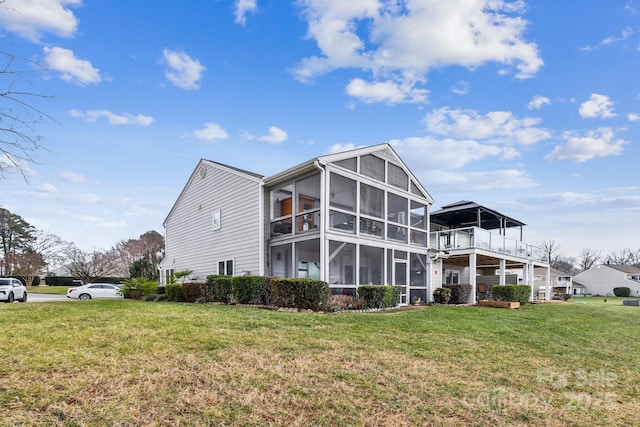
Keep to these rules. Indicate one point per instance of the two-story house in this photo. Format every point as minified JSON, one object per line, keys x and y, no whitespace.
{"x":354,"y":218}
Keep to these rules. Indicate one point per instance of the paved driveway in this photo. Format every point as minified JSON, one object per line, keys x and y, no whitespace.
{"x":33,"y":297}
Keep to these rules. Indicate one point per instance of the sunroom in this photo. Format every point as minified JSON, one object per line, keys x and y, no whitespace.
{"x":351,"y":219}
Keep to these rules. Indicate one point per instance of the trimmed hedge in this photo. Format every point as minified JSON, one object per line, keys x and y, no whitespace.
{"x":59,"y":281}
{"x":459,"y":293}
{"x":248,"y":289}
{"x":193,"y":290}
{"x":441,"y":295}
{"x":519,"y":293}
{"x":174,"y":292}
{"x":305,"y":294}
{"x":219,"y":288}
{"x":380,"y":296}
{"x":622,"y":291}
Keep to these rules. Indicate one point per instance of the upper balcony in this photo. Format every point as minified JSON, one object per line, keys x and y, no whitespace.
{"x":479,"y":238}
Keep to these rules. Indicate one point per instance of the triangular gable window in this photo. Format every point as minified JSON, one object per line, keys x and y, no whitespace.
{"x":416,"y":190}
{"x":351,"y":164}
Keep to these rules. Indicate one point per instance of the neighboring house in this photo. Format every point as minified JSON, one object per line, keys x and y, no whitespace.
{"x":354,"y":218}
{"x":601,"y":280}
{"x":561,"y":283}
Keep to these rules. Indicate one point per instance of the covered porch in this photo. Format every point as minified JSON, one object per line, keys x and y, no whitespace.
{"x":474,"y":242}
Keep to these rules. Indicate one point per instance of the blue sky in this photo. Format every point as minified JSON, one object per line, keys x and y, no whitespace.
{"x":531,"y":108}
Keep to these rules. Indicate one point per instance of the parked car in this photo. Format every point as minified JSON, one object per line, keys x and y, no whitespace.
{"x":95,"y":290}
{"x":12,"y":290}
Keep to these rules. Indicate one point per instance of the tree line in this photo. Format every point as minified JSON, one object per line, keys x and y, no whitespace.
{"x":588,"y":258}
{"x":28,"y":252}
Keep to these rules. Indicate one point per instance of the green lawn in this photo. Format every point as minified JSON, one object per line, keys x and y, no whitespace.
{"x":117,"y":363}
{"x":59,"y":290}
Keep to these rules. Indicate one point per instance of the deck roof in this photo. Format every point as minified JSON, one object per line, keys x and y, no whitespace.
{"x":470,"y":214}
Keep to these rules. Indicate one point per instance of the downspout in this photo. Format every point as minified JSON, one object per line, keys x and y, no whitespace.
{"x":262,"y":241}
{"x":324,"y":216}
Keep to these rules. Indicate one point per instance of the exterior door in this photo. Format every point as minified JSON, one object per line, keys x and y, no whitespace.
{"x":400,"y":279}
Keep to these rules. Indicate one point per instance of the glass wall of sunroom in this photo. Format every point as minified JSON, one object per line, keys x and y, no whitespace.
{"x":375,"y":231}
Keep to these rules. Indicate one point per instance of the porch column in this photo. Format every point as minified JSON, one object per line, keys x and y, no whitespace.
{"x":547,"y":295}
{"x":472,"y":278}
{"x":503,"y":267}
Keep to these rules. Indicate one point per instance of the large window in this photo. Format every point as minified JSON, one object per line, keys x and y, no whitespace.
{"x":371,"y":265}
{"x":372,"y":166}
{"x":371,"y":201}
{"x":308,"y":203}
{"x":281,"y":211}
{"x":398,"y":177}
{"x":342,"y":193}
{"x":281,"y":261}
{"x":418,"y":215}
{"x":342,"y":261}
{"x":308,"y":259}
{"x":397,"y":209}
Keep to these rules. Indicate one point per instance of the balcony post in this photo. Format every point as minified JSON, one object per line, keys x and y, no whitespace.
{"x":472,"y":277}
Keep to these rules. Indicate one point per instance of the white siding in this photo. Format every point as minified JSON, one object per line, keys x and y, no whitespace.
{"x":601,"y":280}
{"x":191,"y":242}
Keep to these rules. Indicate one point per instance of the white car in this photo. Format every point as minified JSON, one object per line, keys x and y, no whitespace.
{"x":12,"y":290}
{"x":95,"y":290}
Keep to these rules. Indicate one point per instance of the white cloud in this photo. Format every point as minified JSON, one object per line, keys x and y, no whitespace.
{"x":403,"y":42}
{"x":275,"y":136}
{"x":461,"y":88}
{"x":32,"y":18}
{"x":114,"y":119}
{"x":183,"y":71}
{"x":73,"y":177}
{"x":387,"y":92}
{"x":243,"y":7}
{"x":508,"y":179}
{"x":493,"y":127}
{"x":339,"y":148}
{"x":580,"y":148}
{"x":71,"y":69}
{"x":624,"y":35}
{"x":538,"y":101}
{"x":47,"y":187}
{"x":597,"y":106}
{"x":633,"y":117}
{"x":210,"y":132}
{"x":429,"y":153}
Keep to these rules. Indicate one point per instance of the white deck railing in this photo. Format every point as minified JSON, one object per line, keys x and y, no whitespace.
{"x":475,"y":237}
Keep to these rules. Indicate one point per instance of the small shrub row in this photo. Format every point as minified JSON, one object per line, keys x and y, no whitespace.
{"x":380,"y":296}
{"x":306,"y":294}
{"x":139,"y":287}
{"x":192,"y":291}
{"x":174,"y":292}
{"x":459,"y":293}
{"x":519,"y":293}
{"x":219,"y":288}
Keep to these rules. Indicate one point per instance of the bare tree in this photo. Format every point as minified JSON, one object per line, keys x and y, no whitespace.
{"x":588,"y":258}
{"x":19,"y":115}
{"x":89,"y":265}
{"x":28,"y":265}
{"x":624,"y":257}
{"x":565,"y":264}
{"x":550,"y":249}
{"x":149,"y":246}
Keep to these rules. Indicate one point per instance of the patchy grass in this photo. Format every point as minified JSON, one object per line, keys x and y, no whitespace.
{"x":58,"y":290}
{"x":117,"y":363}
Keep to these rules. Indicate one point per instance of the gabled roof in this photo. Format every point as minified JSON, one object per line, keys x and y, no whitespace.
{"x":201,"y":169}
{"x":467,"y":214}
{"x":384,"y":151}
{"x":627,"y":269}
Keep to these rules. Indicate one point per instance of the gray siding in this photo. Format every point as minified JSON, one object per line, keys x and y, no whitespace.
{"x":191,"y":242}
